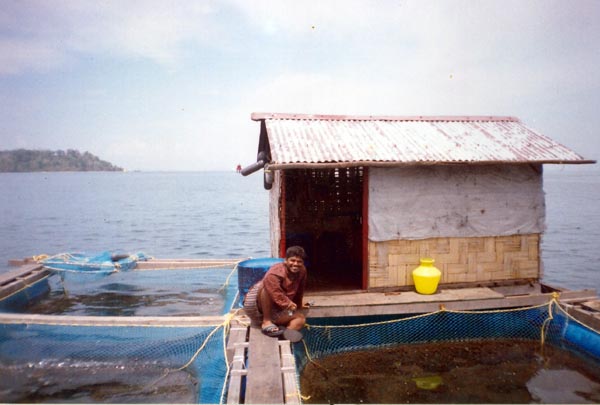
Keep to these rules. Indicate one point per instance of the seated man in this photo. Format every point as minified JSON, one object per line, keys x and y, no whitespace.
{"x":275,"y":301}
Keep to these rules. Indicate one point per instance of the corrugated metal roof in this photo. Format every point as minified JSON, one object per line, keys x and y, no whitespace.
{"x":318,"y":139}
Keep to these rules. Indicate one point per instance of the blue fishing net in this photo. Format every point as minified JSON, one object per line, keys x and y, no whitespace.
{"x":100,"y":263}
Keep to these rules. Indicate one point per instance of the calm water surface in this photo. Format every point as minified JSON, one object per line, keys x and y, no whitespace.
{"x":166,"y":215}
{"x":225,"y":215}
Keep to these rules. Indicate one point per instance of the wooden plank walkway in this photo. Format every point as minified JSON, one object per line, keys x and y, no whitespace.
{"x":264,"y":383}
{"x":265,"y":367}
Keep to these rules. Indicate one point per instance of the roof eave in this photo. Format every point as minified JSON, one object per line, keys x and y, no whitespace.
{"x":333,"y":165}
{"x":260,"y":116}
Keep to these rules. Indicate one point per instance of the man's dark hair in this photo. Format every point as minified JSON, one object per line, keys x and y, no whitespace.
{"x":297,"y":251}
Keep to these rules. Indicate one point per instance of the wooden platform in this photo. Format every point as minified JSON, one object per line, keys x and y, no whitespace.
{"x":587,"y":312}
{"x":362,"y":303}
{"x":20,"y":278}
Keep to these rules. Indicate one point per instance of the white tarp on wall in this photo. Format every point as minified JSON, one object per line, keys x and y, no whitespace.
{"x":421,"y":202}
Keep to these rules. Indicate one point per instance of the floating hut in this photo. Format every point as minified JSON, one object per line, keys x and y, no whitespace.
{"x":369,"y":196}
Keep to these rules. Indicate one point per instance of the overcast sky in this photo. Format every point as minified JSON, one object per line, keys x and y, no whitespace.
{"x":170,"y":85}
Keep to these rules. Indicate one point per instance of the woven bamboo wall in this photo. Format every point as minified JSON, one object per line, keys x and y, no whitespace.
{"x":461,"y":260}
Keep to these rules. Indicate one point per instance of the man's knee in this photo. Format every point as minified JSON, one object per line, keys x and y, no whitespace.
{"x":298,"y":321}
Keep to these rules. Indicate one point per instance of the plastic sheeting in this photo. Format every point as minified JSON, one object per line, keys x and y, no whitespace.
{"x":420,"y":202}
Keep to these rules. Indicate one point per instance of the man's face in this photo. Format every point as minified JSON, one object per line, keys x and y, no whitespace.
{"x":294,"y":264}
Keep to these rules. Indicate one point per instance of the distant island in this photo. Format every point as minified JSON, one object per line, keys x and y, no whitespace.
{"x":24,"y":160}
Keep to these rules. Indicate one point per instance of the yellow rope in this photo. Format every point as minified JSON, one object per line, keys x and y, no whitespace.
{"x":496,"y":311}
{"x":374,"y":323}
{"x":227,"y":367}
{"x":569,"y":316}
{"x":225,"y":326}
{"x":299,"y":395}
{"x":39,"y":258}
{"x":548,"y":320}
{"x":228,"y":277}
{"x":308,"y":356}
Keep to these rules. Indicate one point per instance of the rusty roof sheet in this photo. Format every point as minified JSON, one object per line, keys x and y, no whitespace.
{"x":296,"y":139}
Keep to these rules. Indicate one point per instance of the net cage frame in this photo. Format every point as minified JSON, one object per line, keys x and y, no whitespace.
{"x":197,"y":350}
{"x":128,"y":280}
{"x":547,"y":323}
{"x":166,"y":344}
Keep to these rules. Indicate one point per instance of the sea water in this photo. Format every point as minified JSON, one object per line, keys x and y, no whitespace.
{"x":571,"y":243}
{"x":165,"y":215}
{"x":225,"y":215}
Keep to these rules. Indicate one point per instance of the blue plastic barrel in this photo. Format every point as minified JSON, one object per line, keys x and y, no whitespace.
{"x":252,"y":271}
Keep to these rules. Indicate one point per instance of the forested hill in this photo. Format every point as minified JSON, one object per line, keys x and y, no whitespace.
{"x":24,"y":160}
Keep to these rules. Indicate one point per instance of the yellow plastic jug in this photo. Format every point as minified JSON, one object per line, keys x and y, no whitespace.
{"x":426,"y":277}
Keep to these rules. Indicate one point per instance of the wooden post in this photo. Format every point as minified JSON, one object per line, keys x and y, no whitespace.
{"x":282,"y":217}
{"x":365,"y":229}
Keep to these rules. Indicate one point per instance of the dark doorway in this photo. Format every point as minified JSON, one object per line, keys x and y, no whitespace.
{"x":324,"y":214}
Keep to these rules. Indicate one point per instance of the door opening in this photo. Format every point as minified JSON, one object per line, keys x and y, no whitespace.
{"x":324,"y":214}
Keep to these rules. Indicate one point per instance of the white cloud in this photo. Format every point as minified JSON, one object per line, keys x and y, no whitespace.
{"x":200,"y":142}
{"x":337,"y":18}
{"x":46,"y":34}
{"x":18,"y":55}
{"x":451,"y":36}
{"x":334,"y":57}
{"x":487,"y":44}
